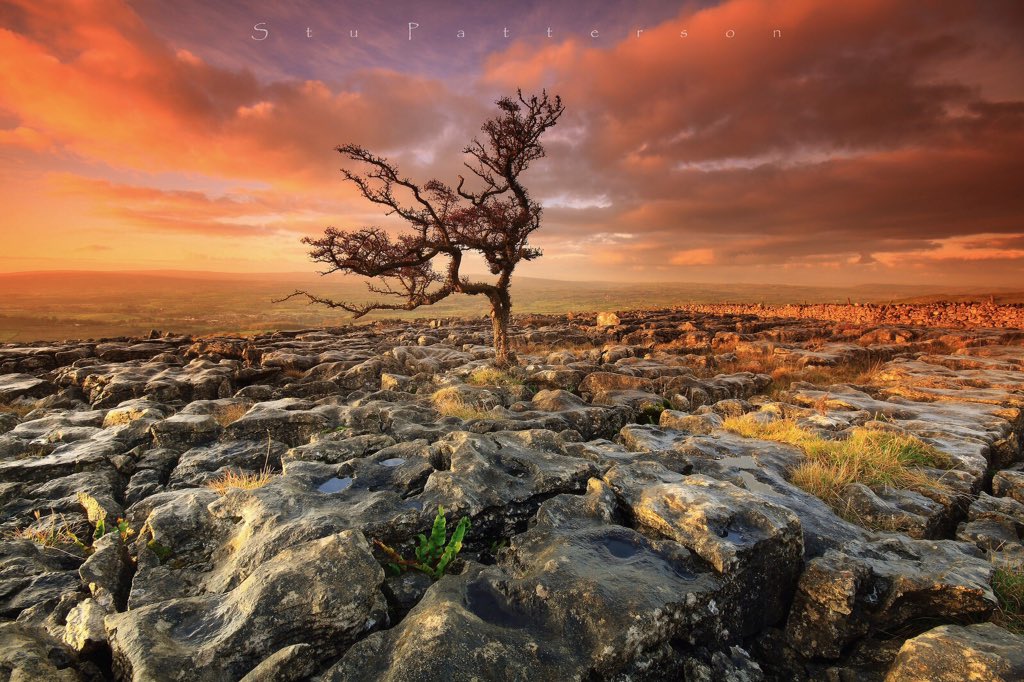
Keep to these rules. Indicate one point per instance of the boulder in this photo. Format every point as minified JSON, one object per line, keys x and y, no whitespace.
{"x":1009,"y":484}
{"x":500,"y":479}
{"x":324,"y":593}
{"x":755,"y":546}
{"x":185,"y":430}
{"x":32,"y":575}
{"x":84,"y":631}
{"x":15,"y":386}
{"x":107,"y":572}
{"x":597,"y":383}
{"x":561,"y":604}
{"x":199,"y":465}
{"x":288,"y":420}
{"x":953,"y":653}
{"x":886,"y":585}
{"x":27,"y":653}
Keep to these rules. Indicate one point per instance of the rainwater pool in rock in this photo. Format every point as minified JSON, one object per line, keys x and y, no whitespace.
{"x":621,"y":549}
{"x":335,"y":485}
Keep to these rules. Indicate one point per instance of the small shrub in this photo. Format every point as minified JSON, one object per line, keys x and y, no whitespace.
{"x":433,"y":554}
{"x":240,"y":480}
{"x":1008,"y":585}
{"x":449,"y":403}
{"x":228,"y":414}
{"x":874,"y":458}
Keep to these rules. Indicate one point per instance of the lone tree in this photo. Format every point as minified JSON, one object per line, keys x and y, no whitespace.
{"x":495,"y":220}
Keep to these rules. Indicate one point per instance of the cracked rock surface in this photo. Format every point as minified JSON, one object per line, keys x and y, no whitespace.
{"x":621,"y":527}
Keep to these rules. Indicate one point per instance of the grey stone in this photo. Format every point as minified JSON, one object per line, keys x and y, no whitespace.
{"x":952,"y":653}
{"x":886,"y":584}
{"x":325,"y":594}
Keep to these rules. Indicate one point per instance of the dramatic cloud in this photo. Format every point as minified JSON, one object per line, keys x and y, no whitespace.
{"x":865,"y":127}
{"x":749,"y":140}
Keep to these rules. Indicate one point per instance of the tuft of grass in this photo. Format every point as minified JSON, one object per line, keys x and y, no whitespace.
{"x":54,"y":532}
{"x":19,"y":409}
{"x":230,"y":480}
{"x":449,"y":403}
{"x":492,"y":376}
{"x":784,"y":374}
{"x":782,"y":431}
{"x":228,"y":414}
{"x":874,"y":458}
{"x":1008,"y":586}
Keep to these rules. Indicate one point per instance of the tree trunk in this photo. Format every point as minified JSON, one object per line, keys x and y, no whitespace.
{"x":501,"y":312}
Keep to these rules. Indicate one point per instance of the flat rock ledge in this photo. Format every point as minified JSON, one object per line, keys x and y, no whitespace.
{"x":621,"y":527}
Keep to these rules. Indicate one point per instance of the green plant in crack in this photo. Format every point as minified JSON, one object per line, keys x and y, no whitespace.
{"x":121,"y":528}
{"x":434,"y":553}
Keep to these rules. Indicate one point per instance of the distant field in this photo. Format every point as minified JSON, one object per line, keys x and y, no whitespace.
{"x":52,"y":306}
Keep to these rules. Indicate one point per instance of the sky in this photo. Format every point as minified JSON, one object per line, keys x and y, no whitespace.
{"x":796,"y":141}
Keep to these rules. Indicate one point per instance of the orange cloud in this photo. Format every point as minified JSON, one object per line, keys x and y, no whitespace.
{"x":106,"y":87}
{"x":869,"y":138}
{"x":26,"y":138}
{"x":693,"y":257}
{"x":239,"y":214}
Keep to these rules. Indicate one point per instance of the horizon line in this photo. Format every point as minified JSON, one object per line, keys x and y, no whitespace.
{"x":969,"y":288}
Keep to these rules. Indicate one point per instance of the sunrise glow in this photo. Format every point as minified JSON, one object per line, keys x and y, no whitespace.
{"x":804,"y":142}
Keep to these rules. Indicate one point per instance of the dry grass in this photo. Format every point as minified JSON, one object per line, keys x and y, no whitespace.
{"x":234,"y":480}
{"x":857,"y":372}
{"x":1008,"y":585}
{"x":449,"y":403}
{"x":784,"y":374}
{"x":874,"y":458}
{"x":492,"y":376}
{"x":19,"y":409}
{"x":228,"y":414}
{"x":294,"y":373}
{"x":821,"y":404}
{"x":54,"y":532}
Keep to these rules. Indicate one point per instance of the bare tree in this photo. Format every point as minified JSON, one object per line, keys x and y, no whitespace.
{"x":496,"y":220}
